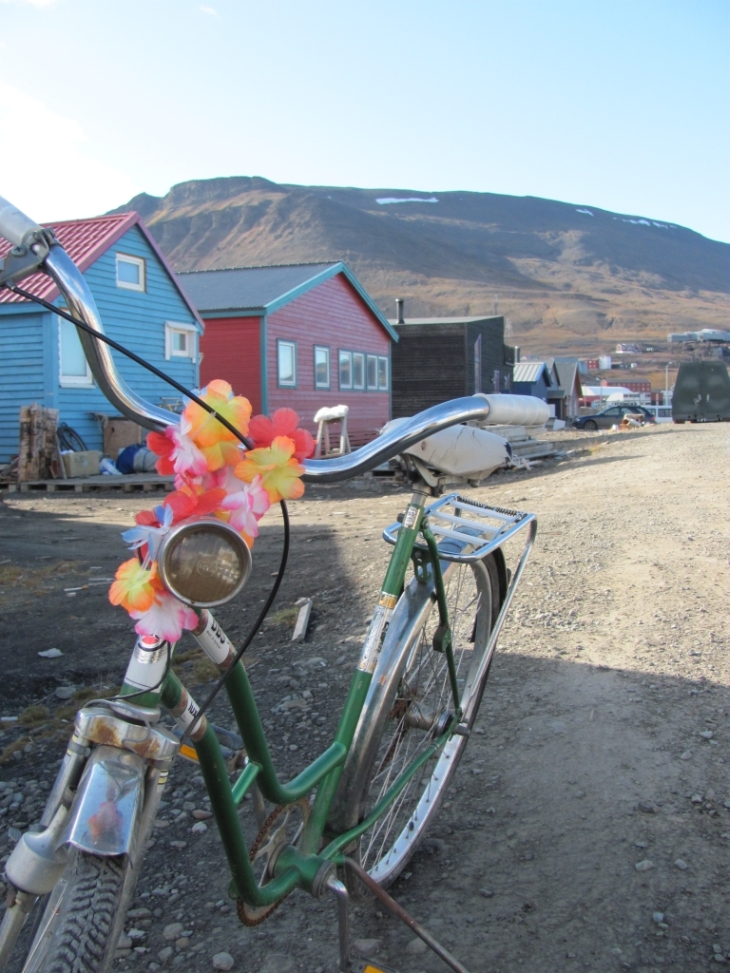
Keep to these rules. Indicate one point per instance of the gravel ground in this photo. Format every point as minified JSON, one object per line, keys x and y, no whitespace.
{"x":588,"y":827}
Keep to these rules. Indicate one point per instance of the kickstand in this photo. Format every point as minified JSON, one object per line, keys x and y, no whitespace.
{"x":392,"y":906}
{"x":343,"y":921}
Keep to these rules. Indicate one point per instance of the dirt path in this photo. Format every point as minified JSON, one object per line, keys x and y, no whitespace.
{"x":604,"y":724}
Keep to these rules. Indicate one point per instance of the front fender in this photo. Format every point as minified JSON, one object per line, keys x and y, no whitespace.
{"x":106,"y":810}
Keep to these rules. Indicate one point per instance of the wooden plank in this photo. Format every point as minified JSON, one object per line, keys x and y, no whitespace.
{"x":300,"y":629}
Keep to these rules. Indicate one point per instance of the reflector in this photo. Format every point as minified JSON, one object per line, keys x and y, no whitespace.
{"x":204,"y":564}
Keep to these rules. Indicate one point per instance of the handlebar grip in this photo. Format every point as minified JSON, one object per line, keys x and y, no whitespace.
{"x":13,"y":223}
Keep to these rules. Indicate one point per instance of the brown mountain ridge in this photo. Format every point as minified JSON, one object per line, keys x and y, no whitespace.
{"x":571,"y":279}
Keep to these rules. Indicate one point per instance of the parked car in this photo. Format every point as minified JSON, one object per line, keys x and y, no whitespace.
{"x":612,"y":417}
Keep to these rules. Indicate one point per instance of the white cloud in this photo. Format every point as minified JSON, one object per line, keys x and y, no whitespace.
{"x":209,"y":10}
{"x":46,"y":167}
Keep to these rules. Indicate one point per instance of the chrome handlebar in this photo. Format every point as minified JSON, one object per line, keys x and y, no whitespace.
{"x":14,"y":226}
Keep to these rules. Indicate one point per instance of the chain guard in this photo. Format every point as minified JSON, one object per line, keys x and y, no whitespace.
{"x":251,"y":915}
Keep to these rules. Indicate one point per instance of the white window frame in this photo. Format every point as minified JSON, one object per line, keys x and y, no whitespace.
{"x":175,"y":327}
{"x":71,"y":381}
{"x":383,"y":359}
{"x":317,"y":384}
{"x":282,"y":343}
{"x":344,"y":356}
{"x":139,"y":262}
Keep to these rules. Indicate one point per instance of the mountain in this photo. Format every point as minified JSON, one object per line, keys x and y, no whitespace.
{"x":571,"y":279}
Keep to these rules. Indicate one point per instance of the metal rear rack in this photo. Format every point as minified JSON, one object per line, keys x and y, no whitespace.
{"x":465,"y":530}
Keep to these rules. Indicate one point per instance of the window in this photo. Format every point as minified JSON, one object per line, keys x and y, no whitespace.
{"x":130,"y":272}
{"x":180,"y":340}
{"x":321,"y":367}
{"x":286,"y":353}
{"x":372,"y":371}
{"x":73,"y":368}
{"x":358,"y":370}
{"x":345,"y":369}
{"x":383,"y":373}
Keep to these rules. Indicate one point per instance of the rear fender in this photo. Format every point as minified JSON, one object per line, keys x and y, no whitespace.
{"x":107,"y":808}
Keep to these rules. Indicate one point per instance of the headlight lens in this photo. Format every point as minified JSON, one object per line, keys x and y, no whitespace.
{"x":205,"y":563}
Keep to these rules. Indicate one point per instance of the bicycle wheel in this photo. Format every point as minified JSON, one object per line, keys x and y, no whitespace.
{"x":83,"y":917}
{"x":404,"y":723}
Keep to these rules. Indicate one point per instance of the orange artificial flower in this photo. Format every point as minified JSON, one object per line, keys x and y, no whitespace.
{"x":135,"y":587}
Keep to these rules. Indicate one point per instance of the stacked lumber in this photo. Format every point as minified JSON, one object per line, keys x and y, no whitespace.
{"x":38,"y":457}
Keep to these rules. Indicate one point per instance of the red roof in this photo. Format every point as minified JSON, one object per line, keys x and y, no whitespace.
{"x":83,"y":240}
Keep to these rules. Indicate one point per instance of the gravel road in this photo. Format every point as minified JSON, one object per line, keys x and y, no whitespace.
{"x":589,"y":824}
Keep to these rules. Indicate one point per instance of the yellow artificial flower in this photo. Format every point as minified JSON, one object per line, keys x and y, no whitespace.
{"x":205,"y":430}
{"x":279,"y":472}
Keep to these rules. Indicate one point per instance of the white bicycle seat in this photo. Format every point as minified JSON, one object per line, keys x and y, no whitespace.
{"x":460,"y":451}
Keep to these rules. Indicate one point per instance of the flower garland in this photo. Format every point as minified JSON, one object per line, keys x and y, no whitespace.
{"x":214,"y":477}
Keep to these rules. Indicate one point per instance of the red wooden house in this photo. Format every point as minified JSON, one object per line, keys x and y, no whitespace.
{"x":304,"y":336}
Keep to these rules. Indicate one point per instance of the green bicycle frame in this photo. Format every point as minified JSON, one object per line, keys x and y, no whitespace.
{"x":298,"y":867}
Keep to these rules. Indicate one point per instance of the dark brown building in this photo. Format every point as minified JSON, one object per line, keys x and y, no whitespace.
{"x":437,"y":359}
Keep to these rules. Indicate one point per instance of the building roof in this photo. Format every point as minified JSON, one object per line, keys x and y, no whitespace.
{"x":568,"y":375}
{"x":529,"y":371}
{"x":266,"y":289}
{"x":451,"y":320}
{"x":85,"y":241}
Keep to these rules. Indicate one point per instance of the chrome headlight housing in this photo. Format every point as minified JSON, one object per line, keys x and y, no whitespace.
{"x":204,"y":563}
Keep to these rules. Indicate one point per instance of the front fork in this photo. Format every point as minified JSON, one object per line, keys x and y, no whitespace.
{"x":104,"y":802}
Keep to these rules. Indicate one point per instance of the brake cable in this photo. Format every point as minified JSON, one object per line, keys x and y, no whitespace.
{"x":231,"y":428}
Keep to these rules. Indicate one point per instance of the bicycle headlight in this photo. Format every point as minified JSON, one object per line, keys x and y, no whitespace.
{"x":204,"y":564}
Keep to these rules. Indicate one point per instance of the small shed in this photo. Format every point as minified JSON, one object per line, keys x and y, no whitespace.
{"x":437,"y":359}
{"x":569,"y":380}
{"x":141,"y":305}
{"x":302,"y":336}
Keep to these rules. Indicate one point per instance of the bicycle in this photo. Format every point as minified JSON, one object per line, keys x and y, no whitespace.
{"x":356,"y":814}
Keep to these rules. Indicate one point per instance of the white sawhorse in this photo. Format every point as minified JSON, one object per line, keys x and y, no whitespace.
{"x":325,"y":418}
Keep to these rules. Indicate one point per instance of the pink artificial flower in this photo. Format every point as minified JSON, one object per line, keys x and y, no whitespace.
{"x":249,"y":504}
{"x":166,"y":619}
{"x":177,"y":451}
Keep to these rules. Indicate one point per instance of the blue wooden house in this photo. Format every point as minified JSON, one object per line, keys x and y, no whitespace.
{"x":141,"y":304}
{"x":541,"y":379}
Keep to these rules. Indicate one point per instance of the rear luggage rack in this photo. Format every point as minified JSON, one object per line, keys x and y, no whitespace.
{"x":465,"y":530}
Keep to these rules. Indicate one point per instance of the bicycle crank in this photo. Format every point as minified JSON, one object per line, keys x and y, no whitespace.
{"x":282,"y":827}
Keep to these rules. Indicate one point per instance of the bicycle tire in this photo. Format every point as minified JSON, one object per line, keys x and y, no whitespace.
{"x":82,"y":922}
{"x":70,"y":439}
{"x":389,"y":735}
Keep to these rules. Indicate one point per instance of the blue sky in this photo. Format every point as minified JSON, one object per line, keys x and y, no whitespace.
{"x":613,"y":104}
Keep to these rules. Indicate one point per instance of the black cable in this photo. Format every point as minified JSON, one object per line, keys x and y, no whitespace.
{"x":231,"y":428}
{"x":256,"y":626}
{"x":135,"y":358}
{"x":150,"y":689}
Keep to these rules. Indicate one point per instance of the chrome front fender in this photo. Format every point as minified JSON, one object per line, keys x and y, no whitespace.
{"x":104,"y":817}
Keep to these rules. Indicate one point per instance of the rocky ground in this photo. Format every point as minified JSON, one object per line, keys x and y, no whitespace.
{"x":588,"y":827}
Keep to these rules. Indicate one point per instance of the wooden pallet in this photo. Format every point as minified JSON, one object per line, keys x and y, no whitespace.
{"x":134,"y":483}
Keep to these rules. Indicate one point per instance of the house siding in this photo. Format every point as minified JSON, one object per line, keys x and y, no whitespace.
{"x":22,"y":372}
{"x":493,"y":355}
{"x":539,"y":389}
{"x":135,"y":319}
{"x":334,"y":315}
{"x":231,"y":350}
{"x":433,"y":363}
